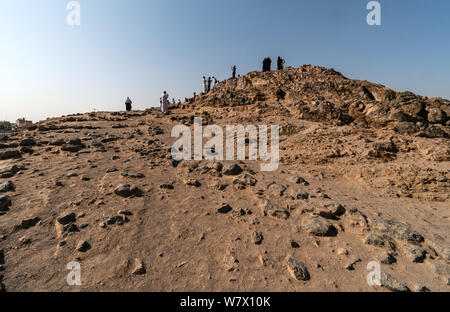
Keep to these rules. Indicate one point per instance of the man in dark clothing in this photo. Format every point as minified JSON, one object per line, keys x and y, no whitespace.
{"x":233,"y":69}
{"x":267,"y":63}
{"x":209,"y":84}
{"x":128,"y":104}
{"x":280,"y":63}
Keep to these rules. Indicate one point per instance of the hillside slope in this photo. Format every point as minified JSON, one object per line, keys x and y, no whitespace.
{"x":363,"y":176}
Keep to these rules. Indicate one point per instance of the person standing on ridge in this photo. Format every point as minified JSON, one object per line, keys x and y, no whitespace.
{"x":215,"y":82}
{"x":209,"y":84}
{"x":233,"y":69}
{"x":173,"y":102}
{"x":128,"y":103}
{"x":267,"y":63}
{"x":164,"y":102}
{"x":205,"y":84}
{"x":280,"y":63}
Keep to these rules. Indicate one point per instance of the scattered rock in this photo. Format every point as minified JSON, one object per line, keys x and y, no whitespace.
{"x":132,"y":174}
{"x":386,"y":258}
{"x":6,"y":186}
{"x":138,"y":267}
{"x":83,"y":246}
{"x":126,"y":190}
{"x":393,"y":285}
{"x":224,"y":208}
{"x":230,"y":262}
{"x":9,"y":153}
{"x":29,"y":223}
{"x":67,"y":218}
{"x":274,"y":210}
{"x":379,"y":240}
{"x":317,"y":226}
{"x":335,"y":208}
{"x":298,"y":180}
{"x":413,"y":252}
{"x":297,"y":269}
{"x":397,"y":230}
{"x":167,"y":186}
{"x":351,"y":265}
{"x":8,"y":171}
{"x":420,"y":288}
{"x":231,"y":169}
{"x":342,"y":252}
{"x":193,"y":182}
{"x":257,"y":238}
{"x":5,"y":202}
{"x":297,"y":193}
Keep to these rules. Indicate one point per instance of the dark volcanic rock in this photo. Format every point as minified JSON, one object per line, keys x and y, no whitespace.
{"x":397,"y":230}
{"x":297,"y":269}
{"x":7,"y":171}
{"x":5,"y":202}
{"x":9,"y":153}
{"x":317,"y":226}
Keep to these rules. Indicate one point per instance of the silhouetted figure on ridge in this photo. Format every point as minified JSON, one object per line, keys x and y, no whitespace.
{"x":280,"y":63}
{"x":209,"y":84}
{"x":233,"y":69}
{"x":267,"y":64}
{"x":128,"y":103}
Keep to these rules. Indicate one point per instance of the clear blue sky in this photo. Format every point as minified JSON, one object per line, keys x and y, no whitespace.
{"x":139,"y":48}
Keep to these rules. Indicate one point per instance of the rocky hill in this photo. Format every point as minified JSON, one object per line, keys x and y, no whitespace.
{"x":363,"y":176}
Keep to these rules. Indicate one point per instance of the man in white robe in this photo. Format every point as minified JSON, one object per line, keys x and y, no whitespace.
{"x":205,"y":85}
{"x":164,"y":101}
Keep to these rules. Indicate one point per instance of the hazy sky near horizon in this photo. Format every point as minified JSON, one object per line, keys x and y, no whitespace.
{"x":139,"y":48}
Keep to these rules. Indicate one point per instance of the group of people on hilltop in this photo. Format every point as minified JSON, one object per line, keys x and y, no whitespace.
{"x":267,"y":64}
{"x":208,"y":84}
{"x":163,"y":102}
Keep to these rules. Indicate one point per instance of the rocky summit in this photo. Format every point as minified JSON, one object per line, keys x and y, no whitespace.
{"x":363,"y":177}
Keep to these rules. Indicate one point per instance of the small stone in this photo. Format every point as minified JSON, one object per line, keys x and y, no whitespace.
{"x":167,"y":186}
{"x":224,"y":208}
{"x":85,"y":178}
{"x":414,"y":253}
{"x":297,"y":269}
{"x":342,"y":252}
{"x":24,"y":240}
{"x":297,"y":193}
{"x":230,"y":262}
{"x":386,"y":258}
{"x":335,"y":208}
{"x":397,"y":230}
{"x":83,"y":246}
{"x":6,"y":186}
{"x":420,"y":288}
{"x":317,"y":226}
{"x":323,"y":212}
{"x":393,"y":285}
{"x":298,"y":180}
{"x":66,"y":219}
{"x":193,"y":182}
{"x":231,"y":169}
{"x":29,"y":223}
{"x":257,"y":238}
{"x":5,"y":202}
{"x":293,"y":244}
{"x":138,"y":267}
